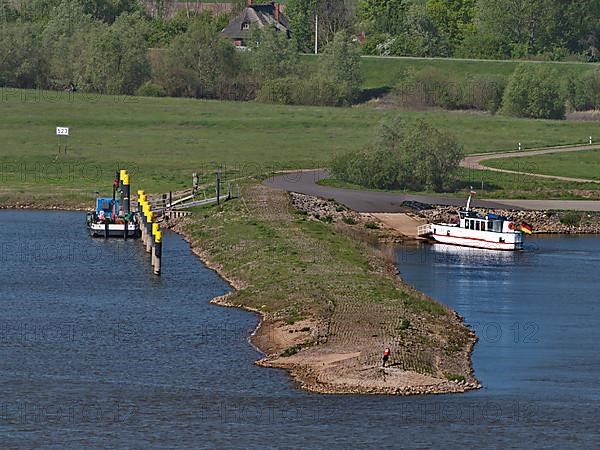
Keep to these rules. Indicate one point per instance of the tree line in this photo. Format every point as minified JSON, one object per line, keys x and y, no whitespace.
{"x":491,"y":29}
{"x":116,"y":47}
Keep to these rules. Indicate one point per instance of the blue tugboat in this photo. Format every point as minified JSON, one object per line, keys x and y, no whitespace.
{"x":111,"y":220}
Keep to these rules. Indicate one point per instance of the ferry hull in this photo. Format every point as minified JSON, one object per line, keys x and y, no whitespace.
{"x":471,"y":242}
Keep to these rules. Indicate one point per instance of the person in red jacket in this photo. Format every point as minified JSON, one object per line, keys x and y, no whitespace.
{"x":386,"y":355}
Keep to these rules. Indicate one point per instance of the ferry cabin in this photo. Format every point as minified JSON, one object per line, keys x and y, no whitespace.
{"x":492,"y":222}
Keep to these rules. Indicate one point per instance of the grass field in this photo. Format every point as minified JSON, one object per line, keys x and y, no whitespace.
{"x":386,"y":72}
{"x":162,"y":141}
{"x":505,"y":185}
{"x":584,"y":164}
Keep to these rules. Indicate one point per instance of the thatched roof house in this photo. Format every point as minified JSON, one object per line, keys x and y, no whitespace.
{"x":260,"y":16}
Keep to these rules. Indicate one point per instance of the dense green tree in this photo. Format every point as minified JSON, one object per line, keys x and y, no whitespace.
{"x":421,"y":36}
{"x":533,"y":26}
{"x":415,"y":156}
{"x":583,"y":91}
{"x":453,"y":19}
{"x":429,"y":158}
{"x":201,"y":64}
{"x":333,"y":16}
{"x":63,"y":40}
{"x":115,"y":60}
{"x":22,"y":59}
{"x":273,"y":55}
{"x":534,"y":91}
{"x":109,"y":10}
{"x":38,"y":10}
{"x":301,"y":14}
{"x":383,"y":16}
{"x":340,"y":64}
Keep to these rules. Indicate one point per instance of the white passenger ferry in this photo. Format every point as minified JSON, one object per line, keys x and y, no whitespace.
{"x":491,"y":231}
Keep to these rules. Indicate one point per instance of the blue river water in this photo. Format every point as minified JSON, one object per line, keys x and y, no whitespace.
{"x":96,"y":352}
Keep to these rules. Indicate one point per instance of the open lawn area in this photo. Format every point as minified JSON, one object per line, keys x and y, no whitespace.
{"x":584,"y":164}
{"x":379,"y":72}
{"x":161,"y":141}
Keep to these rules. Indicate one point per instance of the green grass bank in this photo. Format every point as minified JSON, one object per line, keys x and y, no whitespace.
{"x":163,"y":140}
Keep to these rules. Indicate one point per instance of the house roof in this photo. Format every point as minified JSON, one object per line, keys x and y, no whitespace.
{"x":262,"y":15}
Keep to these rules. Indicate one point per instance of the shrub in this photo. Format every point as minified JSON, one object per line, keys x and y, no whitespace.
{"x":416,"y":157}
{"x":428,"y":87}
{"x":290,"y":351}
{"x":570,"y":218}
{"x":534,"y":91}
{"x":583,"y":91}
{"x":349,"y":221}
{"x":314,"y":91}
{"x":455,"y":377}
{"x":372,"y":225}
{"x":277,"y":91}
{"x":149,"y":89}
{"x":432,"y":87}
{"x":486,"y":92}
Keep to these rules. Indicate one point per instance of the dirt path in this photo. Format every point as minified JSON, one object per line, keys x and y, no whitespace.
{"x":474,"y":161}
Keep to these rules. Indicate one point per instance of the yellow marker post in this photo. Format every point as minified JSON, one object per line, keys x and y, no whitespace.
{"x":149,"y":239}
{"x":157,"y":254}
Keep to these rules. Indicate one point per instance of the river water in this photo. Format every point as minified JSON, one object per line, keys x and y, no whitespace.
{"x":96,"y":352}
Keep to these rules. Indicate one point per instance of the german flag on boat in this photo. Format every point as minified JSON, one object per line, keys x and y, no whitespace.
{"x":526,"y":228}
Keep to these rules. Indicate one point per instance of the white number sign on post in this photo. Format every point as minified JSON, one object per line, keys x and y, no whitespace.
{"x":60,"y":132}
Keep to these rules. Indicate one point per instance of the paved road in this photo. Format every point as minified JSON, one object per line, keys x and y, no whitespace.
{"x":305,"y":182}
{"x":474,"y":161}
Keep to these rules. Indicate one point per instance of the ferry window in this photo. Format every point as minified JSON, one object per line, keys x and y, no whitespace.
{"x":477,"y":223}
{"x":472,"y":224}
{"x":490,"y":225}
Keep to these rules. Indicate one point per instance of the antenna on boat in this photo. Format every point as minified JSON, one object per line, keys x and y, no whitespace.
{"x":471,"y":194}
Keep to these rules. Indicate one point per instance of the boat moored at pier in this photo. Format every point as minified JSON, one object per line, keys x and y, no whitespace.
{"x":490,"y":231}
{"x":107,"y":221}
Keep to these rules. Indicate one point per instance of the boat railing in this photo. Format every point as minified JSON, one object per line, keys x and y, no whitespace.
{"x":424,"y":230}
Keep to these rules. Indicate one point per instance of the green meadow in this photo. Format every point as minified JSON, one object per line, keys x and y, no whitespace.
{"x":383,"y":72}
{"x":584,"y":164}
{"x":163,"y":140}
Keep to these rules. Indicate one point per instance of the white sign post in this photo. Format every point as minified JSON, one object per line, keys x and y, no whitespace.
{"x":62,"y":131}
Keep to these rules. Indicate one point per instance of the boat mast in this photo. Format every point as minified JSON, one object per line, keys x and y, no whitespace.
{"x":469,"y":200}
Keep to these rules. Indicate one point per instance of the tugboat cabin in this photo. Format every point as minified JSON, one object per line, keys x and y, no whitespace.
{"x":107,"y":207}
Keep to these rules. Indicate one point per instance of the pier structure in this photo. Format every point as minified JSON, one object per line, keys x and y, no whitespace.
{"x":150,"y":231}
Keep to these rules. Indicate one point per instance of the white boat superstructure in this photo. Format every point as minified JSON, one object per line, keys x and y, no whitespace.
{"x":491,"y":231}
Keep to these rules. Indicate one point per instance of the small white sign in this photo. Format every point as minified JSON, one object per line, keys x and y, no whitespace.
{"x":62,"y":131}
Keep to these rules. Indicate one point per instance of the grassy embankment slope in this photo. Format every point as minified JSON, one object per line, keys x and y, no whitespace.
{"x":162,"y":141}
{"x":387,"y":72}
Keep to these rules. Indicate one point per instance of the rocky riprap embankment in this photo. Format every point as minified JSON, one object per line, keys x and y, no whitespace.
{"x":565,"y":222}
{"x":323,"y":210}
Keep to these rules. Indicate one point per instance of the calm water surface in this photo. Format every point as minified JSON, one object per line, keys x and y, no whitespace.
{"x":95,"y":352}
